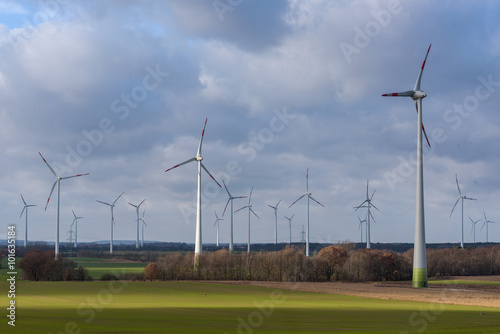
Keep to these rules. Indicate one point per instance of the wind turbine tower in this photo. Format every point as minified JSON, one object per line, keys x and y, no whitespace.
{"x":419,"y":255}
{"x":275,"y":208}
{"x":75,"y":221}
{"x":486,"y":222}
{"x":137,"y":211}
{"x":290,"y":226}
{"x":217,"y":219}
{"x":58,"y":183}
{"x":198,"y":246}
{"x":461,"y":197}
{"x":368,"y":205}
{"x":230,"y":199}
{"x":25,"y":208}
{"x":143,"y":223}
{"x":112,"y":221}
{"x":249,"y":206}
{"x":360,"y":227}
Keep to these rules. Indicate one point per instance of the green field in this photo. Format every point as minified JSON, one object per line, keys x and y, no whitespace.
{"x":458,"y":281}
{"x":186,"y":307}
{"x":98,"y":267}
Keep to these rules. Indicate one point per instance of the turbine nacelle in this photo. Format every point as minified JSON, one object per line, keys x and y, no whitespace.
{"x":418,"y":95}
{"x":198,"y":158}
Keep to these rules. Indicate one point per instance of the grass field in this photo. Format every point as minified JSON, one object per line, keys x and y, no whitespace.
{"x":98,"y":267}
{"x":467,"y":282}
{"x":187,"y":307}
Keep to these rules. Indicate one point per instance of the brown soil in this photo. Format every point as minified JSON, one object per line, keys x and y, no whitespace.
{"x":459,"y":294}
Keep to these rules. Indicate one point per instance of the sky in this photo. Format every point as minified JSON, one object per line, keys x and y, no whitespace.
{"x":121,"y":90}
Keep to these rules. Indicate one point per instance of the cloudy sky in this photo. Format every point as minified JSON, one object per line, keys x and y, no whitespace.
{"x":121,"y":90}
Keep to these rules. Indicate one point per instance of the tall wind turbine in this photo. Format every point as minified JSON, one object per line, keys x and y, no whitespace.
{"x":461,"y":197}
{"x":275,"y":208}
{"x":58,"y":182}
{"x":230,"y":199}
{"x":473,"y":229}
{"x":143,"y":223}
{"x":290,"y":226}
{"x":217,"y":219}
{"x":137,"y":211}
{"x":367,"y":203}
{"x":198,"y":242}
{"x":249,"y":206}
{"x":419,"y":254}
{"x":25,"y":208}
{"x":486,"y":222}
{"x":360,"y":227}
{"x":112,"y":221}
{"x":308,"y":194}
{"x":75,"y":221}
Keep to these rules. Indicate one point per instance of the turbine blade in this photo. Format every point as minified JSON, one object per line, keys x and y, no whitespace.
{"x":51,"y":191}
{"x":316,"y":201}
{"x":69,"y":177}
{"x":459,"y":191}
{"x":373,"y":217}
{"x":22,"y":211}
{"x":118,"y":198}
{"x":73,"y":213}
{"x":48,"y":164}
{"x":472,"y":199}
{"x":307,"y":181}
{"x":278,"y":204}
{"x":206,"y":170}
{"x":23,"y":199}
{"x":407,"y":93}
{"x":423,"y":128}
{"x":229,"y":199}
{"x":484,"y":213}
{"x":228,"y":193}
{"x":298,"y":199}
{"x":182,"y":163}
{"x":103,"y":202}
{"x":373,"y":194}
{"x":246,"y":206}
{"x":417,"y":84}
{"x":250,"y":197}
{"x":201,"y":139}
{"x":367,"y":182}
{"x":254,"y":213}
{"x":483,"y":225}
{"x":374,"y":206}
{"x":454,"y":206}
{"x":140,"y":203}
{"x":135,"y":206}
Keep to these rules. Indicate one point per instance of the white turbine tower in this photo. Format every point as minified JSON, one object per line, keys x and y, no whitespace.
{"x":473,"y":229}
{"x":368,"y":205}
{"x":112,"y":221}
{"x":486,"y":222}
{"x":275,"y":208}
{"x":217,"y":219}
{"x":143,"y":224}
{"x":230,"y":199}
{"x":308,"y":194}
{"x":137,"y":211}
{"x":360,"y":227}
{"x":249,"y":206}
{"x":198,"y":242}
{"x":419,"y":255}
{"x":25,"y":208}
{"x":58,"y":183}
{"x":461,"y":197}
{"x":290,"y":226}
{"x":75,"y":221}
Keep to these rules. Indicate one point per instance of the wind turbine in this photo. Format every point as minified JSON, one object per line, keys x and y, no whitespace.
{"x":461,"y":197}
{"x":198,"y":242}
{"x":290,"y":226}
{"x":143,"y":223}
{"x":368,"y":205}
{"x":75,"y":221}
{"x":360,"y":227}
{"x":275,"y":208}
{"x":308,"y":194}
{"x":473,"y":229}
{"x":112,"y":221}
{"x":486,"y":222}
{"x":419,"y":255}
{"x":217,"y":219}
{"x":58,"y":182}
{"x":137,"y":211}
{"x":230,"y":199}
{"x":25,"y":208}
{"x":249,"y":206}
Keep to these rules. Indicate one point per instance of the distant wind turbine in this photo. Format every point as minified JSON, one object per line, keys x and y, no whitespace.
{"x":25,"y":208}
{"x":360,"y":227}
{"x":249,"y":206}
{"x":217,"y":219}
{"x":473,"y":229}
{"x":75,"y":221}
{"x":308,"y":194}
{"x":112,"y":221}
{"x":137,"y":211}
{"x":290,"y":226}
{"x":230,"y":199}
{"x":367,"y":203}
{"x":58,"y":183}
{"x":143,"y":224}
{"x":275,"y":208}
{"x":419,"y":279}
{"x":461,"y":197}
{"x":486,"y":222}
{"x":198,"y":246}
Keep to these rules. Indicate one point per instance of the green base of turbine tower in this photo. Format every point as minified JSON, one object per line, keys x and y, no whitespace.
{"x":419,"y":278}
